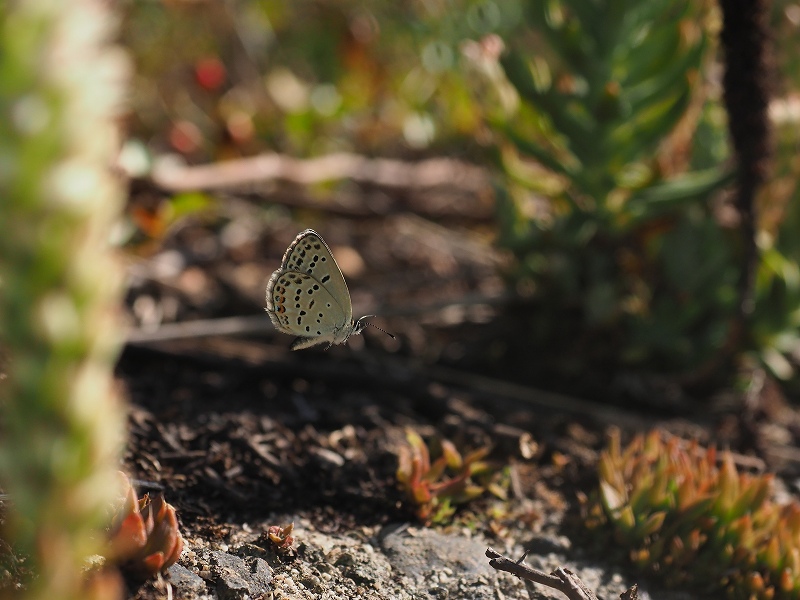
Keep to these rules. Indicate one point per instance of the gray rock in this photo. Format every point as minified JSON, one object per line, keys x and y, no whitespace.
{"x":416,"y":552}
{"x":186,"y":583}
{"x":238,"y":578}
{"x":440,"y":566}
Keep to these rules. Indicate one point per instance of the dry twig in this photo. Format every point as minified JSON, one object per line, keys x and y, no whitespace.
{"x":384,"y":172}
{"x":563,"y":580}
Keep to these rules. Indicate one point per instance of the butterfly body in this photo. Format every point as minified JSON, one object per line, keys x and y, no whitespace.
{"x":308,"y":297}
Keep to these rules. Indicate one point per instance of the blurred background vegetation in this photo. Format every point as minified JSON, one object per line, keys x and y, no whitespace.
{"x":603,"y":123}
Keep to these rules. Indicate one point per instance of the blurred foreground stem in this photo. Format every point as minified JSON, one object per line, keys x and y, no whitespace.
{"x":59,"y":287}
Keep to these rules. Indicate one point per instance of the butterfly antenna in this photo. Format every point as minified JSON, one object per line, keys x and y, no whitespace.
{"x":383,"y":330}
{"x":360,"y":327}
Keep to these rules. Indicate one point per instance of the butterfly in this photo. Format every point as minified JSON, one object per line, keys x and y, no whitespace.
{"x":308,"y":297}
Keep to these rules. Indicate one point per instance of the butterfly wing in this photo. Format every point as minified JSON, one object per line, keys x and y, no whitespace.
{"x":308,"y":296}
{"x":298,"y":304}
{"x":309,"y":254}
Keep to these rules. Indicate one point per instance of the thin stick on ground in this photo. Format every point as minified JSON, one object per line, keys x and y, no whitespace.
{"x":563,"y":580}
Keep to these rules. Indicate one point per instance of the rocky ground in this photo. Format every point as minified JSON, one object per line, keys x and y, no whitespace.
{"x":242,"y":434}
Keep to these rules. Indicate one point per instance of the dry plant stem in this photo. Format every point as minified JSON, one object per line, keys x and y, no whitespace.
{"x":443,"y":188}
{"x":259,"y":324}
{"x":745,"y":40}
{"x":333,"y":167}
{"x":561,"y":579}
{"x":749,"y":70}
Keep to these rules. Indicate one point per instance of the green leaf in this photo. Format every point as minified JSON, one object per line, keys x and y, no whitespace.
{"x":656,"y":49}
{"x":636,"y":136}
{"x":753,"y":496}
{"x":189,"y":203}
{"x":626,"y":521}
{"x":670,"y":195}
{"x":541,"y":154}
{"x":653,"y":523}
{"x":444,"y":511}
{"x":451,"y":455}
{"x":685,"y":186}
{"x":612,"y":499}
{"x":673,"y":76}
{"x":436,"y":471}
{"x":561,"y":109}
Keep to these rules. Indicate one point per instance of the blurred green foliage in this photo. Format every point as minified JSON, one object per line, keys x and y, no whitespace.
{"x":685,"y":514}
{"x":610,"y":83}
{"x":217,"y":80}
{"x":776,"y":320}
{"x":606,"y":118}
{"x":60,"y":289}
{"x":626,"y":242}
{"x":776,"y":323}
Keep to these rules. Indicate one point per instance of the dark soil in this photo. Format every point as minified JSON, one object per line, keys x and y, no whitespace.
{"x":242,"y":434}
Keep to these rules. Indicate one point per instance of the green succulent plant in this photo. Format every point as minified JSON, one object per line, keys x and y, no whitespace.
{"x":686,"y":514}
{"x":435,"y":488}
{"x":605,"y":200}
